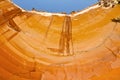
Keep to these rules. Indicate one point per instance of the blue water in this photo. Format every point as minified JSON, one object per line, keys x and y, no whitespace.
{"x":55,"y":5}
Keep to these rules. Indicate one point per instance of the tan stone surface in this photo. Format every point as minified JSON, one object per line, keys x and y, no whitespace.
{"x":39,"y":47}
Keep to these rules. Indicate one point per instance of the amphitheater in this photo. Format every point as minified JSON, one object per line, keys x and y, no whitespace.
{"x":83,"y":45}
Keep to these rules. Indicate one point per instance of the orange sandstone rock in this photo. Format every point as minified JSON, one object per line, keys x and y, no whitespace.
{"x":52,"y":46}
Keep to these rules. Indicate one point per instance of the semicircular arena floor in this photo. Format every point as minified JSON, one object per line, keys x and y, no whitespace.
{"x":36,"y":45}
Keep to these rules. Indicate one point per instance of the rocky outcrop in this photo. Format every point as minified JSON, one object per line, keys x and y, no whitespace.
{"x":52,"y":46}
{"x":108,"y":3}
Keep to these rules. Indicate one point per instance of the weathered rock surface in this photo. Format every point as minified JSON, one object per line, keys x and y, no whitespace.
{"x":59,"y":47}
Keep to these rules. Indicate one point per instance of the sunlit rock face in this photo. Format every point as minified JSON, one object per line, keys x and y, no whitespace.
{"x":108,"y":3}
{"x":51,"y":46}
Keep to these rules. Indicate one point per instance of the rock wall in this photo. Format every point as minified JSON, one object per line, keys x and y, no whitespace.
{"x":59,"y":47}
